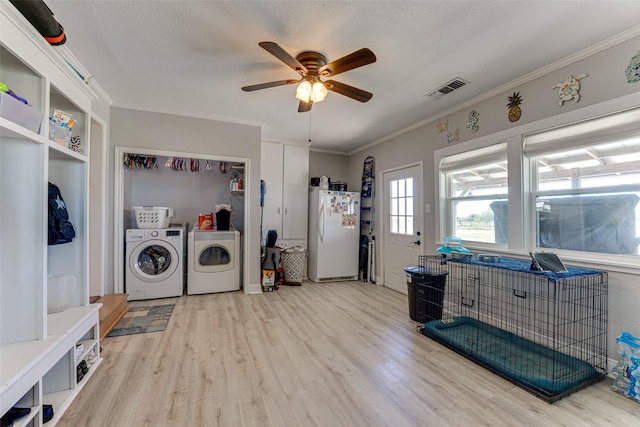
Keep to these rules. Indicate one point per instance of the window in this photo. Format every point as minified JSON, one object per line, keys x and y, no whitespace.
{"x":401,"y":206}
{"x":586,"y":186}
{"x":574,"y":190}
{"x":476,"y":194}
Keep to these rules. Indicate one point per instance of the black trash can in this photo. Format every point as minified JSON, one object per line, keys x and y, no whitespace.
{"x":425,"y":293}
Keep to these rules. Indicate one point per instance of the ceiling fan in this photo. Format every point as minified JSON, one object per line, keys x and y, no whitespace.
{"x":312,"y":66}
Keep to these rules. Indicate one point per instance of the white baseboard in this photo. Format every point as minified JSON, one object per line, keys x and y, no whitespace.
{"x":254,"y":288}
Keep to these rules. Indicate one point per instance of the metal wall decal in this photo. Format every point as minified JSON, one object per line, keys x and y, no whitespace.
{"x":453,"y":136}
{"x":472,"y":124}
{"x":570,"y":88}
{"x":633,"y":70}
{"x":442,"y":126}
{"x":514,"y":107}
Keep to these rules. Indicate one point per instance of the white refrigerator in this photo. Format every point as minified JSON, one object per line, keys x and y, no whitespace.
{"x":334,"y":235}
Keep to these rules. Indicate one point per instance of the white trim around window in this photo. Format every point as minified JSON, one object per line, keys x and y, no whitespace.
{"x":521,"y":198}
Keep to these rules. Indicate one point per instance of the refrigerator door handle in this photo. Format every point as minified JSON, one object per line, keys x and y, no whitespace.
{"x":321,"y":222}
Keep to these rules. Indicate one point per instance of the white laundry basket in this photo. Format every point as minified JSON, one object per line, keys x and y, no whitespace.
{"x":293,"y":262}
{"x":153,"y":216}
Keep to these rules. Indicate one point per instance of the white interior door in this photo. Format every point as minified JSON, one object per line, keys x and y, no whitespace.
{"x":403,"y":223}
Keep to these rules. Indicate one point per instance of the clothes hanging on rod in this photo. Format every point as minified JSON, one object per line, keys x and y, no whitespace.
{"x":140,"y":161}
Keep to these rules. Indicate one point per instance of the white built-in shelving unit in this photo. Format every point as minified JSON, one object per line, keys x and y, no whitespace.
{"x":38,"y":357}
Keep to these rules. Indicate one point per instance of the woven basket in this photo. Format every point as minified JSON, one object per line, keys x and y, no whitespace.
{"x":293,"y":262}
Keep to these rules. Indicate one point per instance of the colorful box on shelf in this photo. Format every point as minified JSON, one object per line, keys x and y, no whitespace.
{"x":59,"y":133}
{"x":19,"y":113}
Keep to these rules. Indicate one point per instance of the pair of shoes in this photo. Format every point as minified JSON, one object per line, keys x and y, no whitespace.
{"x":82,"y":369}
{"x":47,"y":413}
{"x":91,"y":358}
{"x":13,"y":414}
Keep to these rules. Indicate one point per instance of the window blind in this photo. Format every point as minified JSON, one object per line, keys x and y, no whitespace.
{"x":606,"y":129}
{"x":473,"y":158}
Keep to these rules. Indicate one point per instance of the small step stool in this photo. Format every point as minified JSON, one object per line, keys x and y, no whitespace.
{"x":114,"y":306}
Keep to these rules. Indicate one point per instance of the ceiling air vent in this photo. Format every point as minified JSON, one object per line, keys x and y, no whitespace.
{"x":454,"y":84}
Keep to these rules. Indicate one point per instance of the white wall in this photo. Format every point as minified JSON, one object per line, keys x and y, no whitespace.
{"x":333,"y":166}
{"x":164,"y":132}
{"x":188,"y":193}
{"x":604,"y":91}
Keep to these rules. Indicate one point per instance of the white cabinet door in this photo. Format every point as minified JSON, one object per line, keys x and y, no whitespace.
{"x":295,"y":192}
{"x":285,"y":171}
{"x":271,"y":169}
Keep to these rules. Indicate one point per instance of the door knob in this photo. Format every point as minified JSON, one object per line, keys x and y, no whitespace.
{"x":417,"y":242}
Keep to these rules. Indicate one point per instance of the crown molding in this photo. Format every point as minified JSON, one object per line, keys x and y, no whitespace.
{"x":571,"y":59}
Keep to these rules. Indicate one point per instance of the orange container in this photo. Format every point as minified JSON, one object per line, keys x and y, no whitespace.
{"x":205,"y":221}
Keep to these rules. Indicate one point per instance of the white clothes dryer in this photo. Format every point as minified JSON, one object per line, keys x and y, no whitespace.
{"x":154,"y":263}
{"x":214,"y":261}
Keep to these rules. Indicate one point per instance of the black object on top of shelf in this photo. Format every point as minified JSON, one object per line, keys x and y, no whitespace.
{"x":338,"y":186}
{"x":41,"y":17}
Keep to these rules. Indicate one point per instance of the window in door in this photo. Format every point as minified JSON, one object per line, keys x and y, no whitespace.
{"x":401,"y":212}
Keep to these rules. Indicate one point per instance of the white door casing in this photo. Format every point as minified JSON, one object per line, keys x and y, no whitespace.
{"x":98,"y":207}
{"x":271,"y":171}
{"x":402,"y":240}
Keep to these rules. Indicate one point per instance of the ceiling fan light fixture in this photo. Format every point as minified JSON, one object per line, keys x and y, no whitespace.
{"x":311,"y":92}
{"x":303,"y":93}
{"x":319,"y":91}
{"x":311,"y":66}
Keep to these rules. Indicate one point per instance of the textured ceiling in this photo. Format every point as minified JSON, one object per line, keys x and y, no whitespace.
{"x":192,"y":57}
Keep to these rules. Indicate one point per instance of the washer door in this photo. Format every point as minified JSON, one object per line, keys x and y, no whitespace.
{"x":214,"y":257}
{"x":153,"y":261}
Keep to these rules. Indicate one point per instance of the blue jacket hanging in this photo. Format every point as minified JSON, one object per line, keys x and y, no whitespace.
{"x":60,"y":228}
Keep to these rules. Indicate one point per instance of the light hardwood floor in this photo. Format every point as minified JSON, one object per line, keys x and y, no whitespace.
{"x":332,"y":354}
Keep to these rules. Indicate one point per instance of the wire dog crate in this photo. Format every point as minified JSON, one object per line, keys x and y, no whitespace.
{"x":546,"y":332}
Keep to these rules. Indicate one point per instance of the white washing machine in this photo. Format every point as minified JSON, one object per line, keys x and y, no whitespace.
{"x":214,"y":261}
{"x":154,"y":263}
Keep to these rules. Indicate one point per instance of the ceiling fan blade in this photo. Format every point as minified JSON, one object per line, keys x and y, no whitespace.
{"x":356,"y":59}
{"x":283,"y":55}
{"x":350,"y":91}
{"x":303,"y":107}
{"x":268,"y":85}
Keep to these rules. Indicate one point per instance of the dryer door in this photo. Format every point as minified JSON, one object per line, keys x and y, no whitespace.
{"x":153,"y":261}
{"x":214,"y":257}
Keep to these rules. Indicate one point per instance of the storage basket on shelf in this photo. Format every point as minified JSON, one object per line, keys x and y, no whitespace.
{"x":293,"y":260}
{"x":153,"y":216}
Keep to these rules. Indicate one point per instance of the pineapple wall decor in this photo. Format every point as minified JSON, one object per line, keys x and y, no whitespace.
{"x":442,"y":126}
{"x":633,"y":70}
{"x":569,"y":89}
{"x":514,"y":107}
